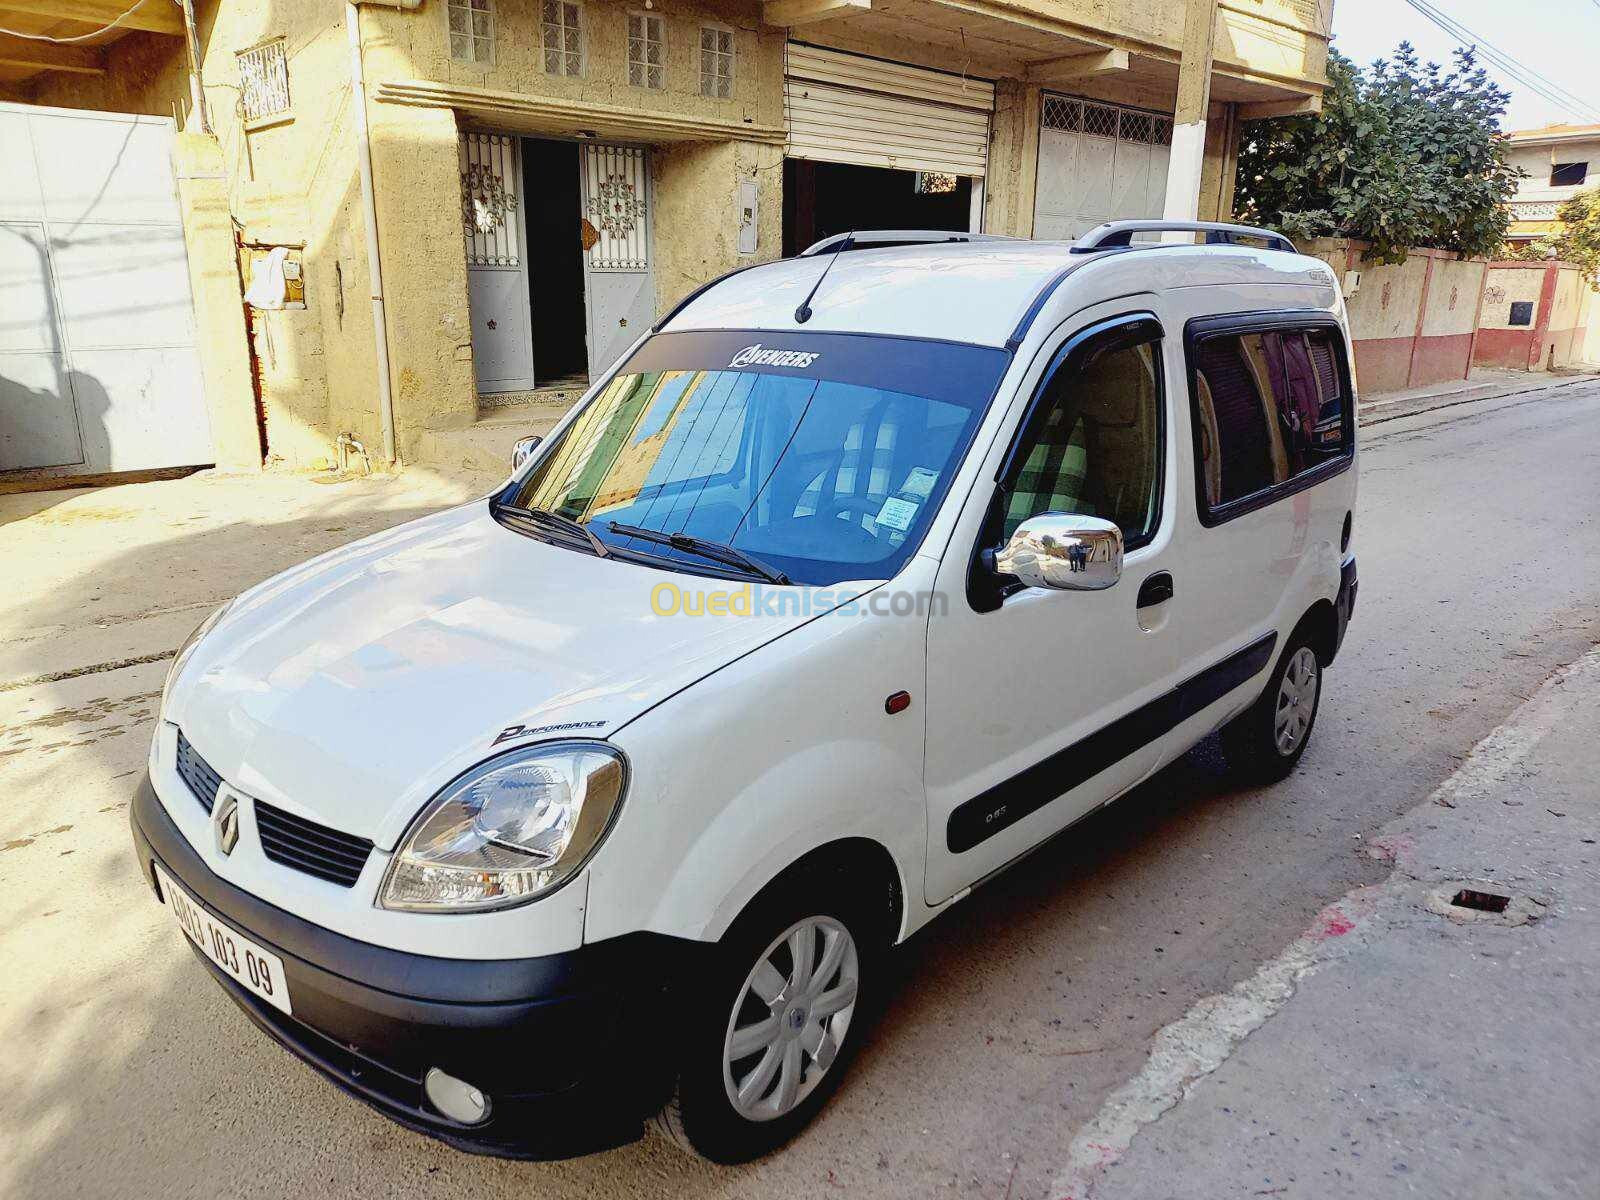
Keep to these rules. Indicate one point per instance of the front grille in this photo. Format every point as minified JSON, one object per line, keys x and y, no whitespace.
{"x":197,"y":773}
{"x":309,"y":847}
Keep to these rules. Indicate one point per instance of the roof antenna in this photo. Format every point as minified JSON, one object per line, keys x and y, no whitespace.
{"x":803,"y":313}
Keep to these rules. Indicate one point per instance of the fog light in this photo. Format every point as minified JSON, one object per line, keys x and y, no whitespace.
{"x":455,"y":1098}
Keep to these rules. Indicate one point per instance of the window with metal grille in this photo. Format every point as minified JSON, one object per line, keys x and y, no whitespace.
{"x":716,"y":61}
{"x":647,"y":50}
{"x":1069,"y":114}
{"x":562,"y":31}
{"x":264,"y":81}
{"x":472,"y":31}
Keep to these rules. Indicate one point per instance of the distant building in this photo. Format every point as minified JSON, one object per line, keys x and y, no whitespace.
{"x":1560,"y":161}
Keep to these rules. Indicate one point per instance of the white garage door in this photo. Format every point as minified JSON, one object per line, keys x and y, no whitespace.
{"x":848,"y":108}
{"x":1098,"y":162}
{"x":98,"y":369}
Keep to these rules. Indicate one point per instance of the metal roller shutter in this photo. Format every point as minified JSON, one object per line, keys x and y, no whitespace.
{"x":849,"y":108}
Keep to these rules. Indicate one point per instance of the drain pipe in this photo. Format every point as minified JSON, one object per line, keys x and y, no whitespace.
{"x":197,"y":87}
{"x":369,"y":213}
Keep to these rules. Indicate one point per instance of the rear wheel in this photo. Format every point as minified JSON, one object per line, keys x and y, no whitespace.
{"x":1264,"y":742}
{"x":772,"y":1030}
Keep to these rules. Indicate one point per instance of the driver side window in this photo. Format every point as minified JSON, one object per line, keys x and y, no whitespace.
{"x":1093,"y":441}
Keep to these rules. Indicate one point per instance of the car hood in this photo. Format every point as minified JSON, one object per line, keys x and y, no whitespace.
{"x":350,"y":689}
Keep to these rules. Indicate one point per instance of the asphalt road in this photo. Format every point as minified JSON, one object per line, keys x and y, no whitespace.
{"x":128,"y":1073}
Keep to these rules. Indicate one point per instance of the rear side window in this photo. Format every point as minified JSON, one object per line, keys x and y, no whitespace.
{"x":1271,"y":412}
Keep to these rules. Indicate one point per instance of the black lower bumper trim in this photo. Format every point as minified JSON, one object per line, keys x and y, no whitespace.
{"x":1345,"y":605}
{"x":535,"y":1034}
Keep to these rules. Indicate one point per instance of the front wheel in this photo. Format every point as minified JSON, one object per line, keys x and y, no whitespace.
{"x":1264,"y":742}
{"x":773,"y":1028}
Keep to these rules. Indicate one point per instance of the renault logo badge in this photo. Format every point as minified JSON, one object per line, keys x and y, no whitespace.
{"x":225,"y":822}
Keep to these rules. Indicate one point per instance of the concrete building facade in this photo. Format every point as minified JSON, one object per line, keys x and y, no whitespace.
{"x":548,"y":176}
{"x":1558,"y":162}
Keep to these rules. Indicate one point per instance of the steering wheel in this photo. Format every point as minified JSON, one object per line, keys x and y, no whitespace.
{"x":864,"y":505}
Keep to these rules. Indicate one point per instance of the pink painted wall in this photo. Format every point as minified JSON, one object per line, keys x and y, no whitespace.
{"x":1412,"y":323}
{"x":1557,"y":336}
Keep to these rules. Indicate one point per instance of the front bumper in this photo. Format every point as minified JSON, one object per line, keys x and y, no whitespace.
{"x":567,"y":1046}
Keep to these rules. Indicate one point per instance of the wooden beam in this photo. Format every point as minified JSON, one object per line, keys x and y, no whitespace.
{"x":153,"y":16}
{"x":47,"y":56}
{"x":1076,"y":66}
{"x":788,"y":13}
{"x":1304,"y":106}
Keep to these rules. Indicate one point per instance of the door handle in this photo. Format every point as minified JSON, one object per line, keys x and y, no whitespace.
{"x":1156,"y":590}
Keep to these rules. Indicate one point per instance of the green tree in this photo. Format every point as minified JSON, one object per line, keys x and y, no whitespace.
{"x":1403,"y":154}
{"x":1579,"y":239}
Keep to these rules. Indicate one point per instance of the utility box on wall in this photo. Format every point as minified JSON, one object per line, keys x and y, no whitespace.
{"x":274,"y":275}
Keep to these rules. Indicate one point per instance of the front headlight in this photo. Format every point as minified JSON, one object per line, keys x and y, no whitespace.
{"x":507,"y":831}
{"x":185,"y":650}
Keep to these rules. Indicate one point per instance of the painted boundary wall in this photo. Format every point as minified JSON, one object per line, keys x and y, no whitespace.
{"x":1563,"y":328}
{"x":1413,"y":323}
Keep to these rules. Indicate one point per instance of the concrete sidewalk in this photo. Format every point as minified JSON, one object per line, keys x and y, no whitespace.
{"x":1404,"y":1045}
{"x":1485,"y":384}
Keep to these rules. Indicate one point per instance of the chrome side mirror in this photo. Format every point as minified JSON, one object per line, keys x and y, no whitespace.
{"x":521,"y":452}
{"x":1063,"y":551}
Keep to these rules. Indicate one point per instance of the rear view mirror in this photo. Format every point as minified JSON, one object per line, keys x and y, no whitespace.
{"x":1062,"y":551}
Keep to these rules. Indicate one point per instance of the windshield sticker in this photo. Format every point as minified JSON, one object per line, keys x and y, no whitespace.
{"x":755,"y":356}
{"x":896,"y":514}
{"x":919,"y":484}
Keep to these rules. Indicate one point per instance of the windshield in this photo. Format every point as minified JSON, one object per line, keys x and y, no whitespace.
{"x":821,"y":456}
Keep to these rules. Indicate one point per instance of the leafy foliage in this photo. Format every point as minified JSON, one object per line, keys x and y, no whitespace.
{"x":1579,"y":239}
{"x":1403,"y":154}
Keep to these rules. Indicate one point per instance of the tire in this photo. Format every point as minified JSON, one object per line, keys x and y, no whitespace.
{"x":1264,"y":743}
{"x":825,"y":919}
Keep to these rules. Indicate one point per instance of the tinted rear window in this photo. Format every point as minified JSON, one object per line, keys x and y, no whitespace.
{"x":1269,"y":406}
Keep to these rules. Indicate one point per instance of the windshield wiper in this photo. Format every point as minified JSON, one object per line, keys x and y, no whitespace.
{"x":716,"y":551}
{"x":560,"y":520}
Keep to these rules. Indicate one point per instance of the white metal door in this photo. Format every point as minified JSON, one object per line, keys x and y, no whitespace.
{"x":848,"y":108}
{"x":98,"y":367}
{"x":1098,"y":162}
{"x":617,"y":267}
{"x":1048,"y":670}
{"x":494,"y":224}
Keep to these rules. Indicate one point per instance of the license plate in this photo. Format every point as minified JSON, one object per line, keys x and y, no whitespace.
{"x":257,"y":971}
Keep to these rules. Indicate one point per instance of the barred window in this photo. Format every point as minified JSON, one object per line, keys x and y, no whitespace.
{"x":716,"y":61}
{"x":472,"y":31}
{"x":562,"y":28}
{"x":647,"y":46}
{"x":264,"y":81}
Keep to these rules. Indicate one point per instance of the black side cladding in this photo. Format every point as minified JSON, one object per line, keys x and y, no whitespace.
{"x":1051,"y":778}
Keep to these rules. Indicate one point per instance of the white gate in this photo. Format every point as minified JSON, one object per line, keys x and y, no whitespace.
{"x":494,"y":224}
{"x":617,"y":275}
{"x":98,"y":368}
{"x":1098,"y":162}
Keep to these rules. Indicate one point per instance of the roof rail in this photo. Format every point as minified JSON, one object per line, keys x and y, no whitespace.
{"x":865,"y":239}
{"x":1119,"y":234}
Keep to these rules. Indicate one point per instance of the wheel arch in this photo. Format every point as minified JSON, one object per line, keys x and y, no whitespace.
{"x":1320,"y":627}
{"x":865,"y":864}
